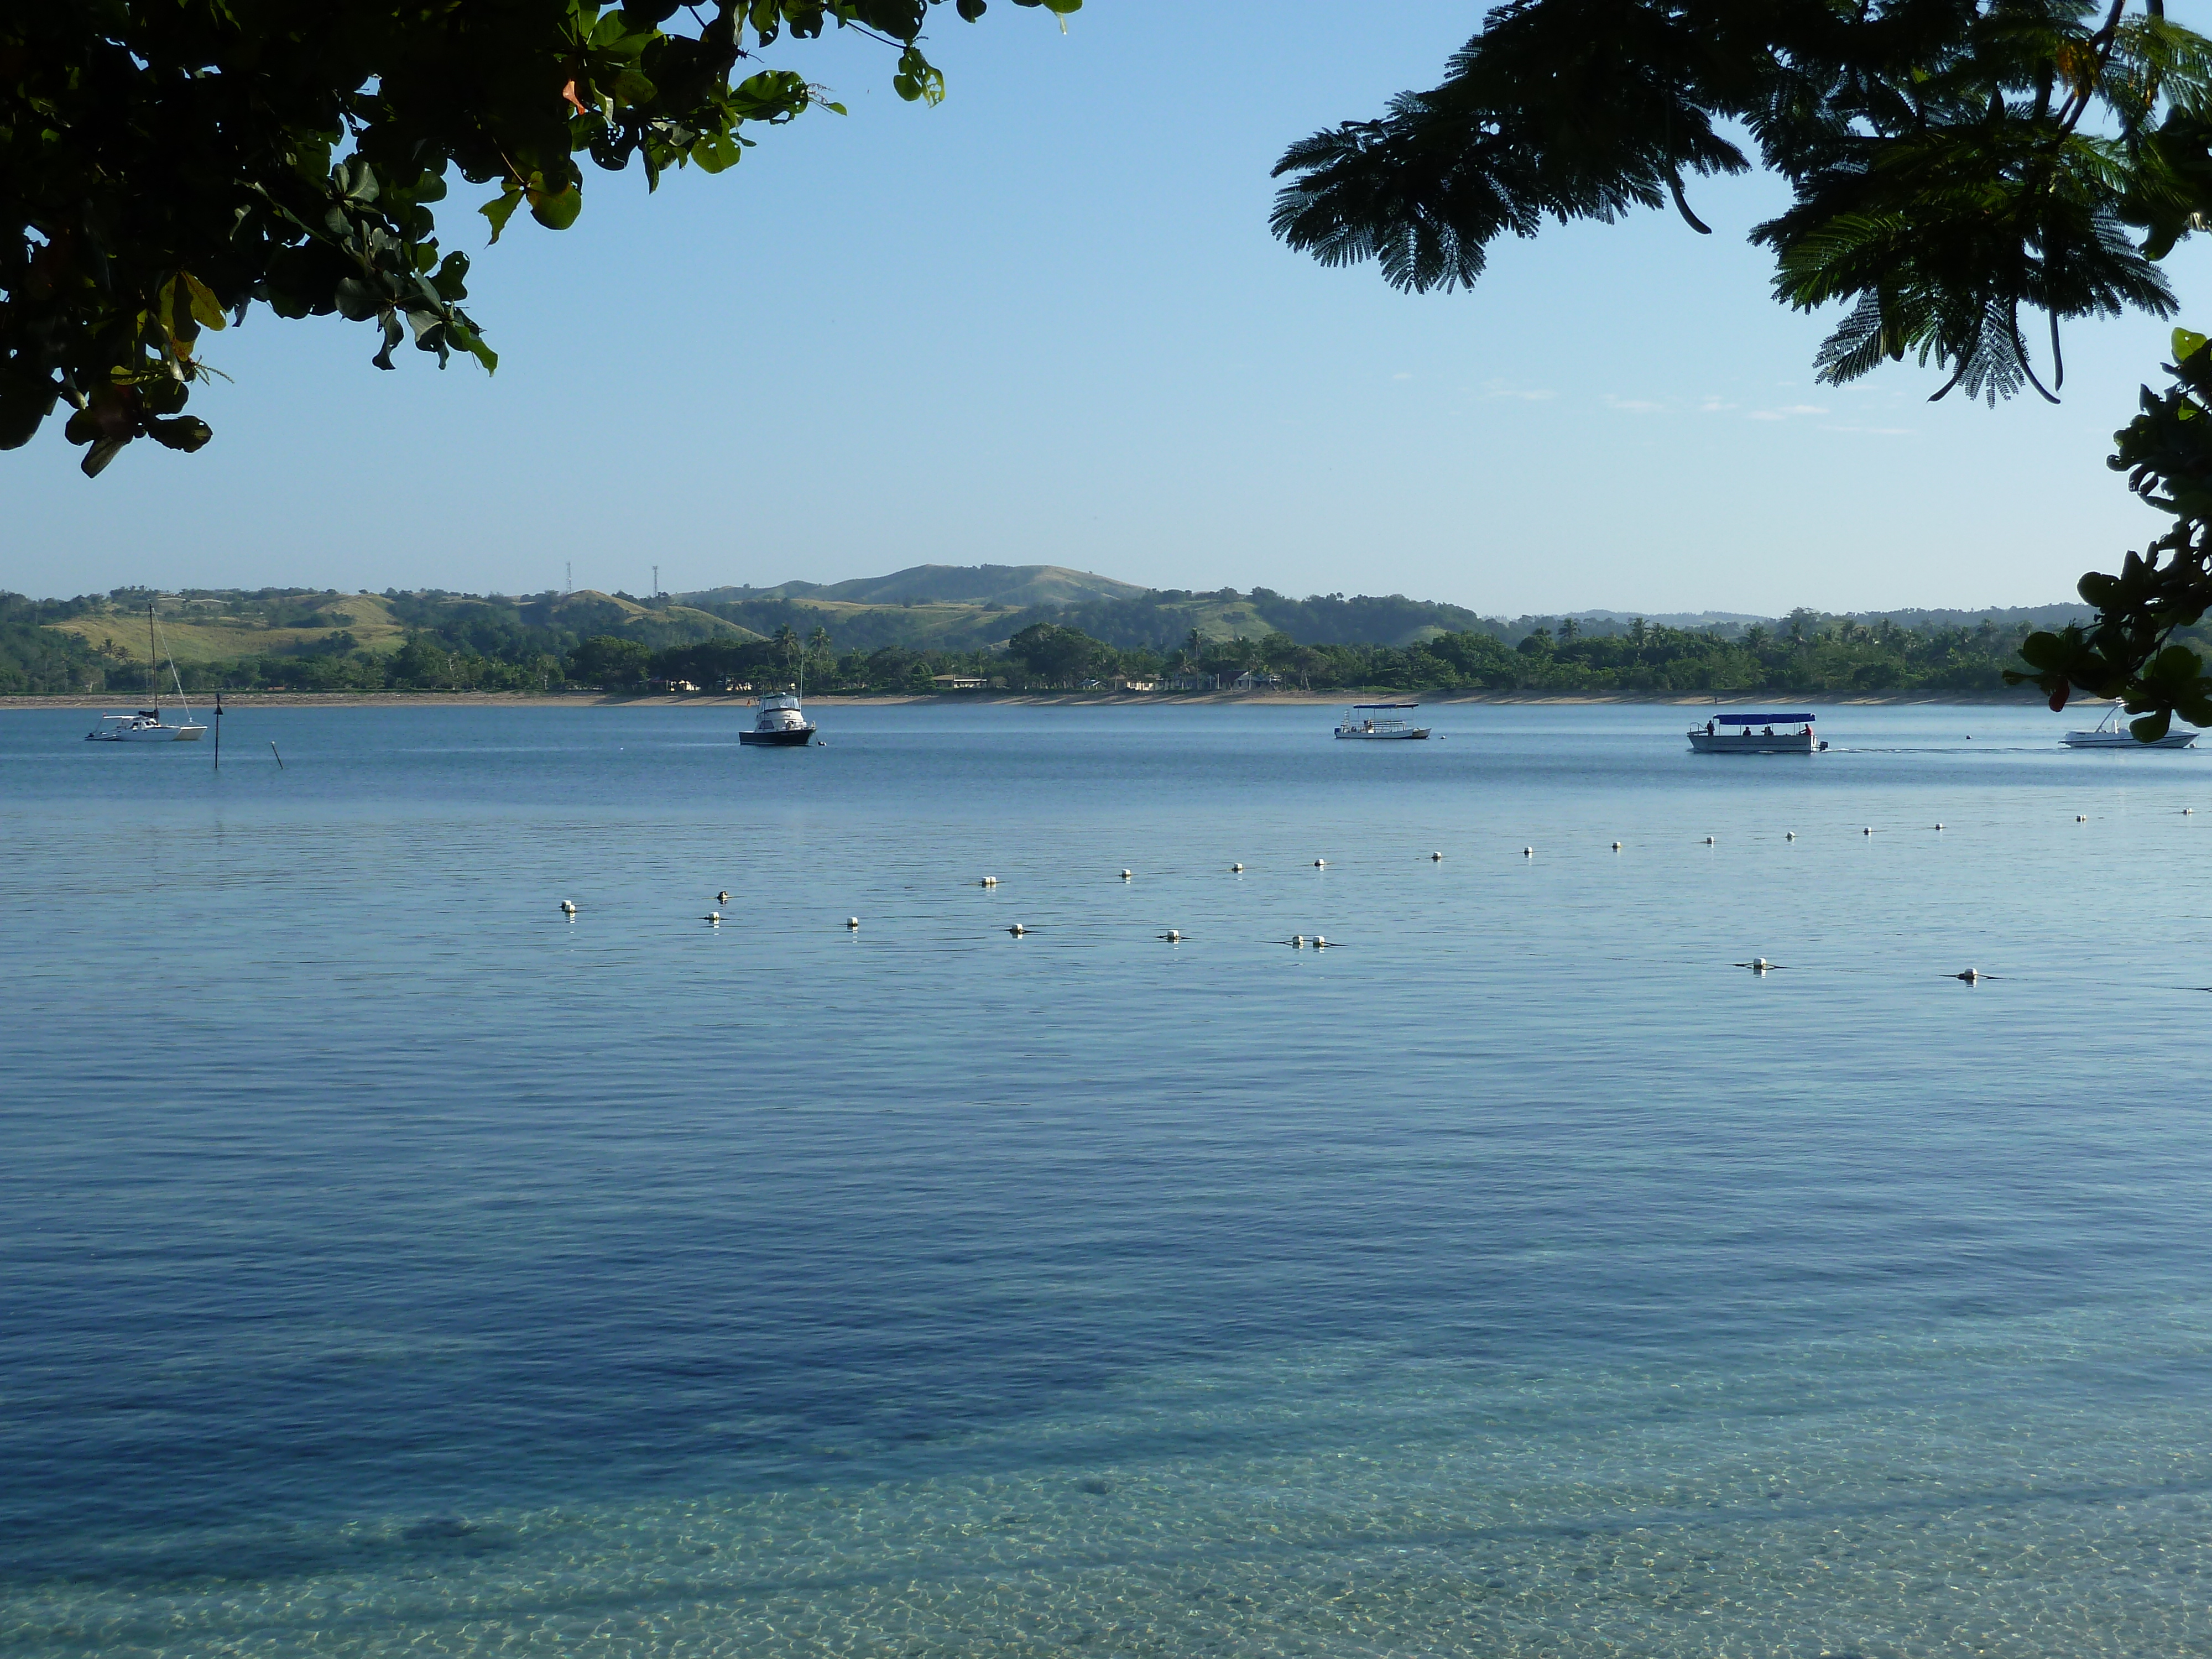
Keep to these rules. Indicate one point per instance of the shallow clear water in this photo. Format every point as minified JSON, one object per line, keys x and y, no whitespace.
{"x":392,"y":1265}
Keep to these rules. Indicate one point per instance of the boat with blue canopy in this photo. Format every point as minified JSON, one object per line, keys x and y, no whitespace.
{"x":1756,"y":734}
{"x":1384,"y":720}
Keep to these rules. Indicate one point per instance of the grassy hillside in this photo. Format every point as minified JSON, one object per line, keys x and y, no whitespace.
{"x":205,"y":628}
{"x":990,"y":587}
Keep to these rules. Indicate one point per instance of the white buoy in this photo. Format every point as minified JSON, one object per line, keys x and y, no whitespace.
{"x":1868,"y":830}
{"x":712,"y":915}
{"x":1528,"y":852}
{"x":1172,"y":937}
{"x":1709,"y":840}
{"x":988,"y":881}
{"x":2080,"y":817}
{"x":1970,"y":976}
{"x":1320,"y":943}
{"x":1297,"y":941}
{"x":1436,"y":857}
{"x":722,"y":898}
{"x":567,"y":906}
{"x":1938,"y":826}
{"x":852,"y":921}
{"x":1235,"y":869}
{"x":1125,"y":875}
{"x":1018,"y":930}
{"x":1761,"y":964}
{"x":1616,"y":847}
{"x":1791,"y":835}
{"x":1321,"y":864}
{"x":2186,"y":810}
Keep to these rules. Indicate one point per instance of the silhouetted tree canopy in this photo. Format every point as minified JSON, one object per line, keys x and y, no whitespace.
{"x":165,"y":164}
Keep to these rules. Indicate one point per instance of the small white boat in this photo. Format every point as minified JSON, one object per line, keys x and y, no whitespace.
{"x":1377,"y":719}
{"x":2109,"y":733}
{"x":146,"y":725}
{"x":1756,"y":734}
{"x":782,"y":724}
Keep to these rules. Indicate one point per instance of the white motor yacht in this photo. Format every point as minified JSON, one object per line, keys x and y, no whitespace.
{"x":782,"y":724}
{"x":1379,"y":719}
{"x":2109,"y":733}
{"x":147,"y":725}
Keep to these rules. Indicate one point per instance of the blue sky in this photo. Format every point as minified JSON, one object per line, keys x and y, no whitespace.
{"x":1045,"y":323}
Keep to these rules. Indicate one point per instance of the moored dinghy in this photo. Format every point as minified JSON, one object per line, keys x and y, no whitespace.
{"x":1756,"y":734}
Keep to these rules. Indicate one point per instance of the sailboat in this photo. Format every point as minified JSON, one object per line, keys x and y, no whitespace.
{"x":146,"y":725}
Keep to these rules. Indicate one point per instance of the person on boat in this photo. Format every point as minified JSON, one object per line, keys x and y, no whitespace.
{"x":1769,"y":731}
{"x":1709,"y":728}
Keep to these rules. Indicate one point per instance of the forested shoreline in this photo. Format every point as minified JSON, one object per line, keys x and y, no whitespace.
{"x":434,"y":642}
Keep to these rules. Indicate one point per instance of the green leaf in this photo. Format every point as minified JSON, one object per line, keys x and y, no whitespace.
{"x":186,"y":432}
{"x":2187,"y":343}
{"x":556,"y":210}
{"x":2152,"y":727}
{"x":501,"y":207}
{"x":207,"y":310}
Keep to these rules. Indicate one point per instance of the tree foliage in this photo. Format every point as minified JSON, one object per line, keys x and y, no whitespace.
{"x":1956,"y":164}
{"x":1957,"y":167}
{"x":166,"y":164}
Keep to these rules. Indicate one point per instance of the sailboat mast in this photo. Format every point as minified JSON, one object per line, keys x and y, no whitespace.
{"x":153,"y":661}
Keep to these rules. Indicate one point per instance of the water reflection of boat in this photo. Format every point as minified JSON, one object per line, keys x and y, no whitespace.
{"x":782,"y":724}
{"x":1372,"y":719}
{"x":2109,"y":733}
{"x":1755,"y":734}
{"x":146,"y":725}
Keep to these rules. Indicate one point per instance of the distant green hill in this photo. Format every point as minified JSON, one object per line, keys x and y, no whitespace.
{"x":989,"y":586}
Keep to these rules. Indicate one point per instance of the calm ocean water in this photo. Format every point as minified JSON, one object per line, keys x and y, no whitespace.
{"x":394,"y":1265}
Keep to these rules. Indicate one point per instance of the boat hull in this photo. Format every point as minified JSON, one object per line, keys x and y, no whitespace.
{"x":2123,"y":740}
{"x":1730,"y":743}
{"x":150,"y":734}
{"x":797,"y":738}
{"x":1419,"y":731}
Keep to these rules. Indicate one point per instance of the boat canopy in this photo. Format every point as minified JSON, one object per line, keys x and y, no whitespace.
{"x":1761,"y":719}
{"x":1386,"y":705}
